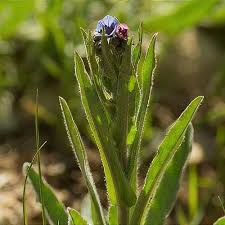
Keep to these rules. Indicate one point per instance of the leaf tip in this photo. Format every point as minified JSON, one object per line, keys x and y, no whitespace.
{"x":199,"y":99}
{"x":154,"y":38}
{"x":61,"y":99}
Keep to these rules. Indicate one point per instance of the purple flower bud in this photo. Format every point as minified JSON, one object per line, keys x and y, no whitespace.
{"x":122,"y":31}
{"x":109,"y":24}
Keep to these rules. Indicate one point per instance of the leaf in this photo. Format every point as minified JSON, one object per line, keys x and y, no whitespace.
{"x":107,"y":58}
{"x":220,"y":221}
{"x":183,"y":16}
{"x":122,"y":104}
{"x":93,"y":66}
{"x":75,"y":218}
{"x":116,"y":181}
{"x":80,"y":153}
{"x":54,"y":209}
{"x":131,"y":135}
{"x":94,"y":214}
{"x":113,"y":215}
{"x":167,"y":150}
{"x":165,"y":196}
{"x":136,"y":53}
{"x":25,"y":184}
{"x":146,"y":81}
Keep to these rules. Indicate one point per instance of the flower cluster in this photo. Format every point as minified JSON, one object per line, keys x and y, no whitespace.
{"x":112,"y":29}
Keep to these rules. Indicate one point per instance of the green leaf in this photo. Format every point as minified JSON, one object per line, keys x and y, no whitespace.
{"x":107,"y":58}
{"x":80,"y":153}
{"x":146,"y":81}
{"x":136,"y":53}
{"x":93,"y":67}
{"x":53,"y":207}
{"x":220,"y":221}
{"x":161,"y":204}
{"x":113,"y":215}
{"x":75,"y":218}
{"x":94,"y":214}
{"x":175,"y":21}
{"x":167,"y":150}
{"x":122,"y":103}
{"x":117,"y":184}
{"x":25,"y":184}
{"x":131,"y":135}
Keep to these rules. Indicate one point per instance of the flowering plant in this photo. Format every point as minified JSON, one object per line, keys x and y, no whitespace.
{"x":115,"y":87}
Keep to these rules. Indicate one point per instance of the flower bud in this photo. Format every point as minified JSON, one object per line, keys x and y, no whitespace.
{"x":122,"y":31}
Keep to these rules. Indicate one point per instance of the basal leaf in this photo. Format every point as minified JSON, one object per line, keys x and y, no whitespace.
{"x":25,"y":222}
{"x":80,"y":153}
{"x":165,"y":196}
{"x":116,"y":181}
{"x":55,"y":210}
{"x":167,"y":150}
{"x":75,"y":218}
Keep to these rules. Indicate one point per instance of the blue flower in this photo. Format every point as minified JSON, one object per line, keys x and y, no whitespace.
{"x":109,"y":24}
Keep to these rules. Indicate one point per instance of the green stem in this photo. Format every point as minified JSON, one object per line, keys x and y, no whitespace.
{"x":123,"y":214}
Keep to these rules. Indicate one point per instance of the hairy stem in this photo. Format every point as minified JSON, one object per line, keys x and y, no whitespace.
{"x":123,"y":214}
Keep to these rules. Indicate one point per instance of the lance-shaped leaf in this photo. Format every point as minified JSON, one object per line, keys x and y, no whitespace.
{"x":122,"y":103}
{"x":92,"y":62}
{"x":75,"y":218}
{"x":146,"y":79}
{"x":167,"y":150}
{"x":117,"y":184}
{"x":220,"y":221}
{"x":165,"y":196}
{"x":80,"y":153}
{"x":55,"y":210}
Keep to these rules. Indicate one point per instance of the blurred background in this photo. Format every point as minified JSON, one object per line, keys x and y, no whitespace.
{"x":37,"y":41}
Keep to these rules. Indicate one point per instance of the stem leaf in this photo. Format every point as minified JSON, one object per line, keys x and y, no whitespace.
{"x":145,"y":81}
{"x":166,"y":152}
{"x":80,"y":153}
{"x":116,"y":181}
{"x":165,"y":196}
